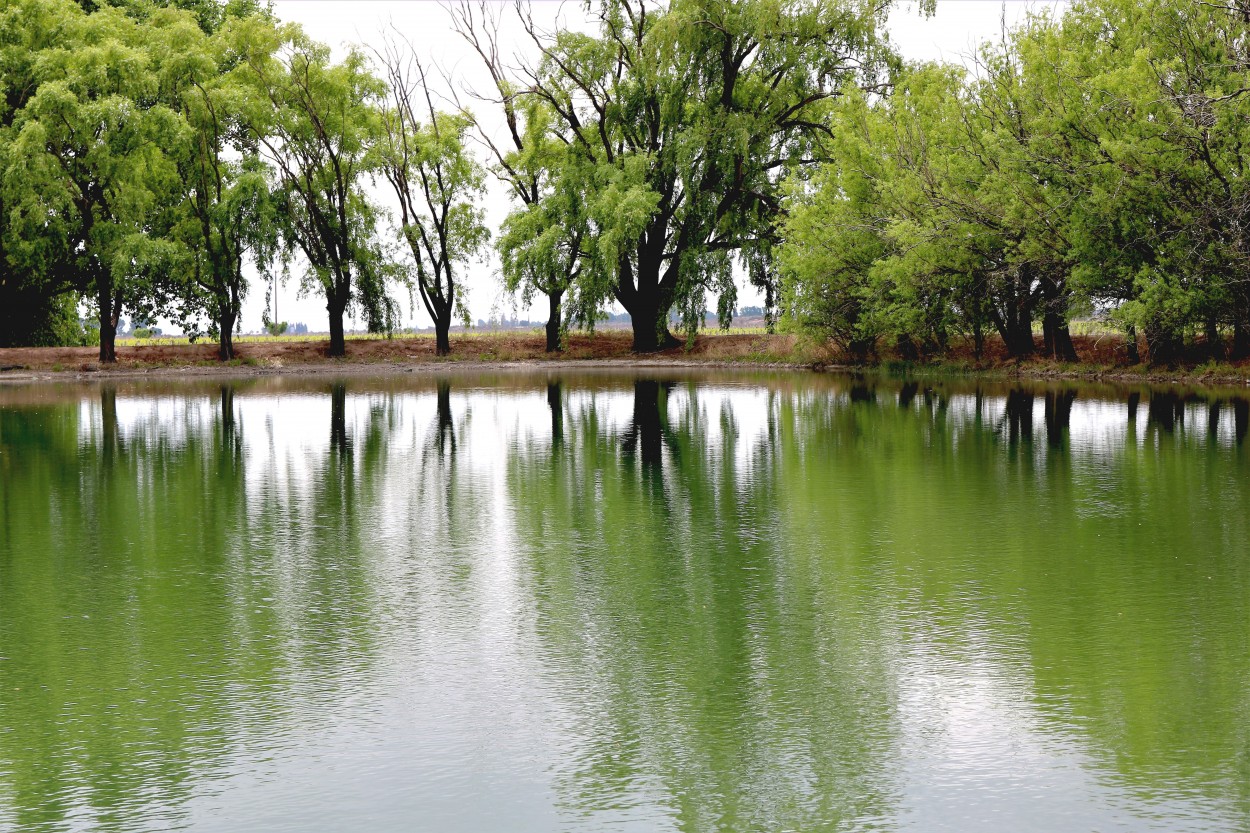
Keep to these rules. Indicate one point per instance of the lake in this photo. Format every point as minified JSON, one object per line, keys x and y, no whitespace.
{"x":688,"y":601}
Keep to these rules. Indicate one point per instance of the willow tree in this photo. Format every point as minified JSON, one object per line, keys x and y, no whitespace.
{"x":1095,"y":159}
{"x":979,"y":217}
{"x":315,"y":122}
{"x":424,"y":156}
{"x":94,"y":151}
{"x":545,"y":241}
{"x":37,"y":298}
{"x":835,"y":233}
{"x":685,"y":117}
{"x":891,"y":239}
{"x":226,"y":212}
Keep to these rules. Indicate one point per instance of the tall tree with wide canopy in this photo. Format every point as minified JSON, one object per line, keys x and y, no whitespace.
{"x":1154,"y":102}
{"x":316,"y":123}
{"x":37,"y":300}
{"x":94,"y":152}
{"x":686,"y":117}
{"x":895,"y":238}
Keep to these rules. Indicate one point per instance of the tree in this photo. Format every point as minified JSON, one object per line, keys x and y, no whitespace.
{"x":316,"y":122}
{"x":896,"y":238}
{"x":545,"y":242}
{"x":684,"y":120}
{"x":1095,"y":160}
{"x":92,"y":152}
{"x":37,"y":303}
{"x":424,"y":157}
{"x":834,"y":232}
{"x":1162,"y":131}
{"x":226,"y":211}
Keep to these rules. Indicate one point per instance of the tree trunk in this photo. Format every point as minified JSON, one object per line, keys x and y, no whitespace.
{"x":338,"y":343}
{"x":1130,"y":344}
{"x":225,"y":323}
{"x":1215,"y":342}
{"x":442,"y":336}
{"x":110,"y":314}
{"x":647,"y":303}
{"x":1021,"y":345}
{"x":1018,"y":302}
{"x":859,"y":349}
{"x":553,"y":322}
{"x":1016,"y":331}
{"x":1165,"y":345}
{"x":1241,"y":341}
{"x":1058,"y":337}
{"x":906,"y":347}
{"x":651,"y":330}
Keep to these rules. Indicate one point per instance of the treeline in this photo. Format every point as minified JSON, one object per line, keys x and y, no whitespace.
{"x":152,"y":151}
{"x":1092,"y":163}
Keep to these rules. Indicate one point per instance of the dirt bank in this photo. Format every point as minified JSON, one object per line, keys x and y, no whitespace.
{"x":1103,"y":355}
{"x":400,"y":354}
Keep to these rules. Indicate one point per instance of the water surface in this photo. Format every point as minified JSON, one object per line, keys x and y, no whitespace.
{"x":601,"y":602}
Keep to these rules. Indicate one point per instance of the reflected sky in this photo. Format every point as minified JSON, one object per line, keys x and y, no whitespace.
{"x":591,"y":601}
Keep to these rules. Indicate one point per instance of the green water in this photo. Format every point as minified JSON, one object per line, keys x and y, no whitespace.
{"x":595,"y":602}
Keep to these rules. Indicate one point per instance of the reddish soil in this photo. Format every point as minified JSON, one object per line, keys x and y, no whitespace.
{"x":1102,"y":357}
{"x":501,"y":347}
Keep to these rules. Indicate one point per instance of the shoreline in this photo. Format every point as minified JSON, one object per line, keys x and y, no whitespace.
{"x":526,"y":353}
{"x":347,"y":367}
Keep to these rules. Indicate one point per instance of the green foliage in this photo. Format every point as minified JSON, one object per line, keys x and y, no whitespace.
{"x":1094,"y":161}
{"x":149,"y":150}
{"x":545,"y":242}
{"x":226,"y":211}
{"x":423,"y":154}
{"x":153,"y":153}
{"x":93,"y":154}
{"x":675,"y":126}
{"x":315,"y":123}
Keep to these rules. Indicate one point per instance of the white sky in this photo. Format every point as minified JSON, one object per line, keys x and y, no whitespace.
{"x":949,"y":35}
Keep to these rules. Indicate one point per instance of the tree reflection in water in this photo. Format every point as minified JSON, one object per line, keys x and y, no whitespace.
{"x":709,"y":603}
